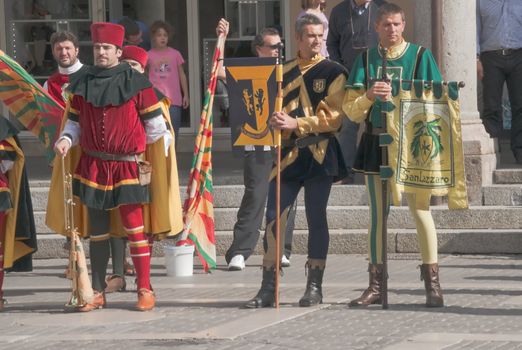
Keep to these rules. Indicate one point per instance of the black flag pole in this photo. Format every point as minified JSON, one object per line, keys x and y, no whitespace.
{"x":384,"y":191}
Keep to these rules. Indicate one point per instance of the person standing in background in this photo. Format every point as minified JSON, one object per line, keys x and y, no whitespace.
{"x":499,"y":61}
{"x":65,"y":47}
{"x":257,"y":166}
{"x":315,"y":7}
{"x":351,"y":32}
{"x":323,"y":5}
{"x":136,"y":32}
{"x":166,"y":72}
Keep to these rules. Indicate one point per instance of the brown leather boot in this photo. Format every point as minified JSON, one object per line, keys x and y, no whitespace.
{"x":372,"y":295}
{"x":146,"y":300}
{"x":98,"y":302}
{"x":430,"y":275}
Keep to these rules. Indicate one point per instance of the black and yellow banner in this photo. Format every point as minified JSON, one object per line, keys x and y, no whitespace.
{"x":426,"y":154}
{"x":252,"y":88}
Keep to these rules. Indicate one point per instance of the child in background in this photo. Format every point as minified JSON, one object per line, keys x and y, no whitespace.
{"x":165,"y":67}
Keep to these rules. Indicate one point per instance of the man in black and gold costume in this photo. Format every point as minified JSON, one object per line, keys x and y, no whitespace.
{"x":313,"y":92}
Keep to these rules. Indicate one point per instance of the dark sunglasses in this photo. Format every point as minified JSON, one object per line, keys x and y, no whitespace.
{"x":273,"y":47}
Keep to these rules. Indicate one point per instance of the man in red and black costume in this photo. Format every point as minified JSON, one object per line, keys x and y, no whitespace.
{"x":65,"y":47}
{"x":113,"y":114}
{"x":17,"y":230}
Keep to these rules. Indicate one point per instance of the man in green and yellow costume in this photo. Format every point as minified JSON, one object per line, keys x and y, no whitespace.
{"x":405,"y":61}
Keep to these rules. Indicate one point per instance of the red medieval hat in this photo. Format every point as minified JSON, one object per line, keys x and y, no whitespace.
{"x":135,"y":53}
{"x":108,"y":33}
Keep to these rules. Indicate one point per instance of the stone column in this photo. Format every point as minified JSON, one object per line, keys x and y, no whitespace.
{"x":459,"y":63}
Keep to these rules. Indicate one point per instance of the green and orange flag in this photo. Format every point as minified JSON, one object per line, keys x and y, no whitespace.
{"x":29,"y":103}
{"x":198,"y":210}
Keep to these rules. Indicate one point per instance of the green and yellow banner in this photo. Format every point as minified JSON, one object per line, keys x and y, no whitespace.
{"x":426,"y":155}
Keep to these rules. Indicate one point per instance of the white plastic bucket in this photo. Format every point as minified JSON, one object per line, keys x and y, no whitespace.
{"x":179,"y":260}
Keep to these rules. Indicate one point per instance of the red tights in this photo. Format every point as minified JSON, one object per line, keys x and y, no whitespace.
{"x":132,"y":219}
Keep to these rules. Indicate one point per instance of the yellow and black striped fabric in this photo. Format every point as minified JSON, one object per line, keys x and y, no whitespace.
{"x":313,"y":91}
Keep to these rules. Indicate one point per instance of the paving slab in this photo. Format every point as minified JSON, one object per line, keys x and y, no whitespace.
{"x":482,"y":294}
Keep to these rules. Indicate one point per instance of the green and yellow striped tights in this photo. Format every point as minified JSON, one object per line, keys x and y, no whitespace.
{"x":426,"y":233}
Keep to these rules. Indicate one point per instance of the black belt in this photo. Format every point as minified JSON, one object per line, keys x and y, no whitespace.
{"x":305,"y":141}
{"x":372,"y":130}
{"x":505,"y":52}
{"x":113,"y":157}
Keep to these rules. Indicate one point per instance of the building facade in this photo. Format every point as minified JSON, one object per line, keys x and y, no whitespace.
{"x":27,"y":25}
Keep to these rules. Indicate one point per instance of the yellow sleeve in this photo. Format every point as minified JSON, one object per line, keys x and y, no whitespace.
{"x":329,"y":113}
{"x":356,"y":105}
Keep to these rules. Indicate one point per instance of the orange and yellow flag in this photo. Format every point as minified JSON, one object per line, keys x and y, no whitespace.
{"x":198,"y":210}
{"x":29,"y":103}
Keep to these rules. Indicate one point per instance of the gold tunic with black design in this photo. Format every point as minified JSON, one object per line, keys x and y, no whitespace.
{"x":15,"y":200}
{"x":313,"y":92}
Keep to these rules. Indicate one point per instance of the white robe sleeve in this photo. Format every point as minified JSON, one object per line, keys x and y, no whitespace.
{"x":71,"y":132}
{"x":155,"y":128}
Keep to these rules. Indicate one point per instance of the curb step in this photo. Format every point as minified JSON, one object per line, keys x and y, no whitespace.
{"x":357,"y":217}
{"x":229,"y":196}
{"x":507,"y":176}
{"x":345,"y":242}
{"x":503,"y":194}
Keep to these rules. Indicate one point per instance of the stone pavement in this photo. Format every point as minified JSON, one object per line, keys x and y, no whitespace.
{"x":483,"y":310}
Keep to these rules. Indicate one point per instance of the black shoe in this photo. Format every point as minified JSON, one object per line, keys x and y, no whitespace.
{"x":263,"y":298}
{"x":314,"y":293}
{"x":266,"y":295}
